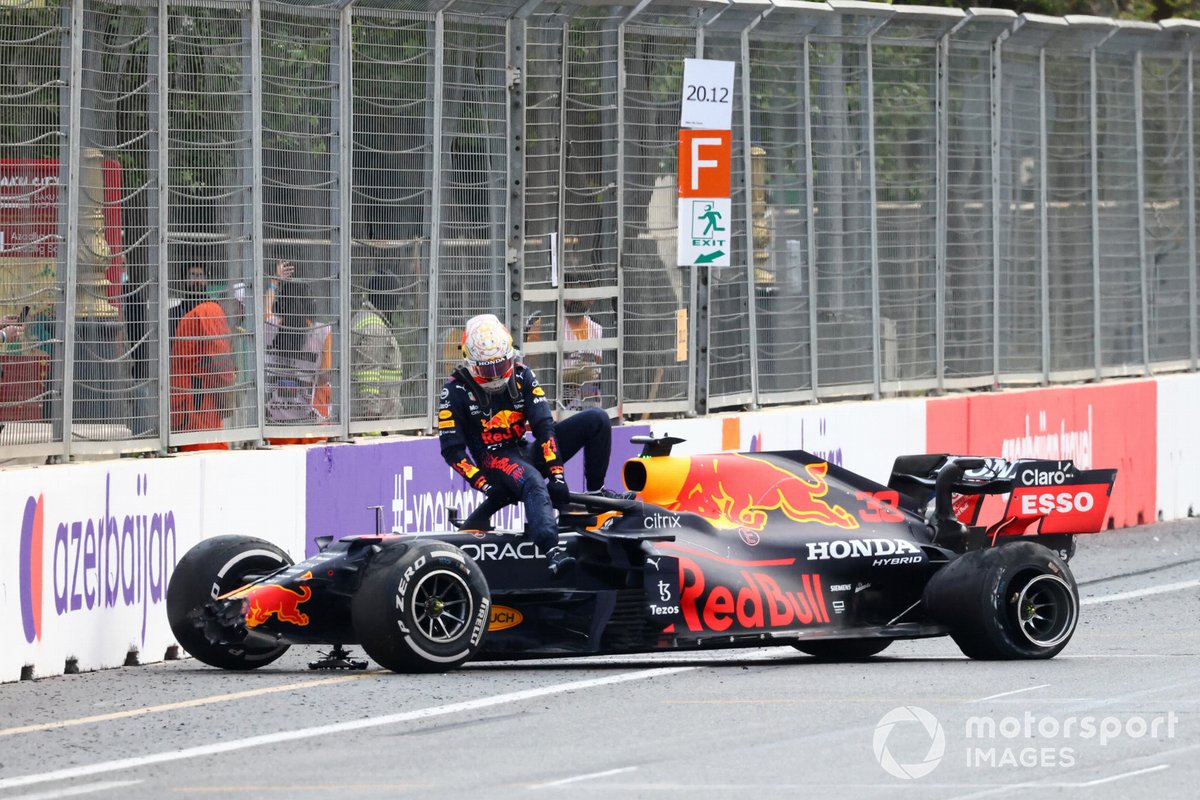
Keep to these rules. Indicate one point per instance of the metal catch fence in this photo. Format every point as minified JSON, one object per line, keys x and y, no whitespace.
{"x":229,"y":221}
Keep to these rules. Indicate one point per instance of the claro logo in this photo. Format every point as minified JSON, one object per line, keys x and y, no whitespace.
{"x":1039,"y":477}
{"x":102,"y":561}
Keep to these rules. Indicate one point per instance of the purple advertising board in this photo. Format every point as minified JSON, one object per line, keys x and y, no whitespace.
{"x":414,"y":486}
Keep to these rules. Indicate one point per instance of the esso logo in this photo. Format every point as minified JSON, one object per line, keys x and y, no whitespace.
{"x":1033,"y":504}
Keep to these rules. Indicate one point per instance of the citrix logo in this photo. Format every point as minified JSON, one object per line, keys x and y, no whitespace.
{"x":102,"y":561}
{"x":657,"y":520}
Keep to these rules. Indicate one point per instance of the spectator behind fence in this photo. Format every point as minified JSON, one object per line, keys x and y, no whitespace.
{"x":237,"y":306}
{"x":202,"y":368}
{"x":298,"y":363}
{"x":581,"y":361}
{"x":374,"y":352}
{"x":12,"y":328}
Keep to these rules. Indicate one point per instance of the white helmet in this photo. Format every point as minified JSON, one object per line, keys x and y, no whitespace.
{"x":487,"y":348}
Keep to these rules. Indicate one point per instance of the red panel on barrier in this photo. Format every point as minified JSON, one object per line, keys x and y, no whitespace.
{"x":1112,"y":425}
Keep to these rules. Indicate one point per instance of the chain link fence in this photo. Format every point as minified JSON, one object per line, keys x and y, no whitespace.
{"x":230,"y":221}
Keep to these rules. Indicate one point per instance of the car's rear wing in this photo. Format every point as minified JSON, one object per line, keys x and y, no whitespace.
{"x":1007,"y":498}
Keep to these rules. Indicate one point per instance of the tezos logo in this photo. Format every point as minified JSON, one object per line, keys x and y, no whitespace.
{"x":910,"y":718}
{"x":99,"y":561}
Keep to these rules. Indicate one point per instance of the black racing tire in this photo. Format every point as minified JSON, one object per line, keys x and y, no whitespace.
{"x":425,"y":612}
{"x":1015,"y":601}
{"x":207,"y":571}
{"x":843,"y":649}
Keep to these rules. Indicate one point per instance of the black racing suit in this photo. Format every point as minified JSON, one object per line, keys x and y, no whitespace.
{"x":491,"y":428}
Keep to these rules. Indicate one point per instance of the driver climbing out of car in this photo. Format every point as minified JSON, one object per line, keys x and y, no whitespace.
{"x":487,"y":406}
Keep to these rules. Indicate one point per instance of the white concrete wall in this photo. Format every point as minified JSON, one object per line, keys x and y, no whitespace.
{"x":90,"y":548}
{"x":1178,"y":416}
{"x":111,"y":532}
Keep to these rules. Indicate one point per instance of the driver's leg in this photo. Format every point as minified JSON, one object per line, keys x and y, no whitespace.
{"x":590,"y":431}
{"x":522,"y":479}
{"x":481,"y":518}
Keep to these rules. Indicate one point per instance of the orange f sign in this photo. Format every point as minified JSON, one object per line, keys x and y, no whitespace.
{"x":704,"y":163}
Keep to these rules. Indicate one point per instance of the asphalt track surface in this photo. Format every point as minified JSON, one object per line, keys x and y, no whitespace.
{"x":763,"y":723}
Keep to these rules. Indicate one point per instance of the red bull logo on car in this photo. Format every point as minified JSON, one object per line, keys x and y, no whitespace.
{"x":736,"y":491}
{"x":753,"y":600}
{"x":265,"y":600}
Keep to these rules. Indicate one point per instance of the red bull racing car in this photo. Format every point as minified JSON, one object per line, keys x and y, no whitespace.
{"x":727,"y":550}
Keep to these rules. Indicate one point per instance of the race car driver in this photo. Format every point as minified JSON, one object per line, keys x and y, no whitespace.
{"x":487,"y":406}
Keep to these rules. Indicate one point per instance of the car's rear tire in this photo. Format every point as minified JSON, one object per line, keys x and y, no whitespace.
{"x":1015,"y":601}
{"x":425,"y":612}
{"x":843,"y":649}
{"x":210,"y":569}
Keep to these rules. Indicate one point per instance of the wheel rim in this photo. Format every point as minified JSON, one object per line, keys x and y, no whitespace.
{"x":1046,"y":610}
{"x":441,"y":606}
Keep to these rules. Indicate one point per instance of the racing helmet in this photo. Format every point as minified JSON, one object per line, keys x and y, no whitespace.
{"x":487,"y":347}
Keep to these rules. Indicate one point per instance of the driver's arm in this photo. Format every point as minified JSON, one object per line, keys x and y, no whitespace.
{"x":452,"y":440}
{"x":541,"y":421}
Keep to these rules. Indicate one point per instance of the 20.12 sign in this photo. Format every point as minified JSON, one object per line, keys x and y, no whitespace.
{"x":707,"y":94}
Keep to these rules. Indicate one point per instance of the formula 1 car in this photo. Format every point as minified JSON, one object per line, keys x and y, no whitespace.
{"x":726,"y":550}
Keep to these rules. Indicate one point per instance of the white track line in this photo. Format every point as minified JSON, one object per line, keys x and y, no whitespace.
{"x":1008,"y":788}
{"x":1151,"y":590}
{"x":1014,"y":691}
{"x":337,"y":727}
{"x":74,"y":791}
{"x":199,"y":701}
{"x":1123,"y":775}
{"x":587,"y":777}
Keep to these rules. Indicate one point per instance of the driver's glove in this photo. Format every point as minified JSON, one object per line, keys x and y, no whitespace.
{"x":560,"y":495}
{"x":493,"y":492}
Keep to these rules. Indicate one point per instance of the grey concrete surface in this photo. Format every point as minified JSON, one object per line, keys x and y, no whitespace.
{"x":763,"y":723}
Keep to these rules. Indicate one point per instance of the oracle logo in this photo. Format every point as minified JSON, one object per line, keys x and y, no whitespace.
{"x":497,"y":551}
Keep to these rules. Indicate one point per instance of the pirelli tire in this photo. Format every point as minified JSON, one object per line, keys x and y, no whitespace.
{"x":210,"y":569}
{"x":427,"y":611}
{"x":1015,"y":601}
{"x":843,"y":649}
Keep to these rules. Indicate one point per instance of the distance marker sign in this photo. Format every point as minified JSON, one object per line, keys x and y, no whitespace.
{"x":705,"y":164}
{"x":707,"y":94}
{"x":705,"y":209}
